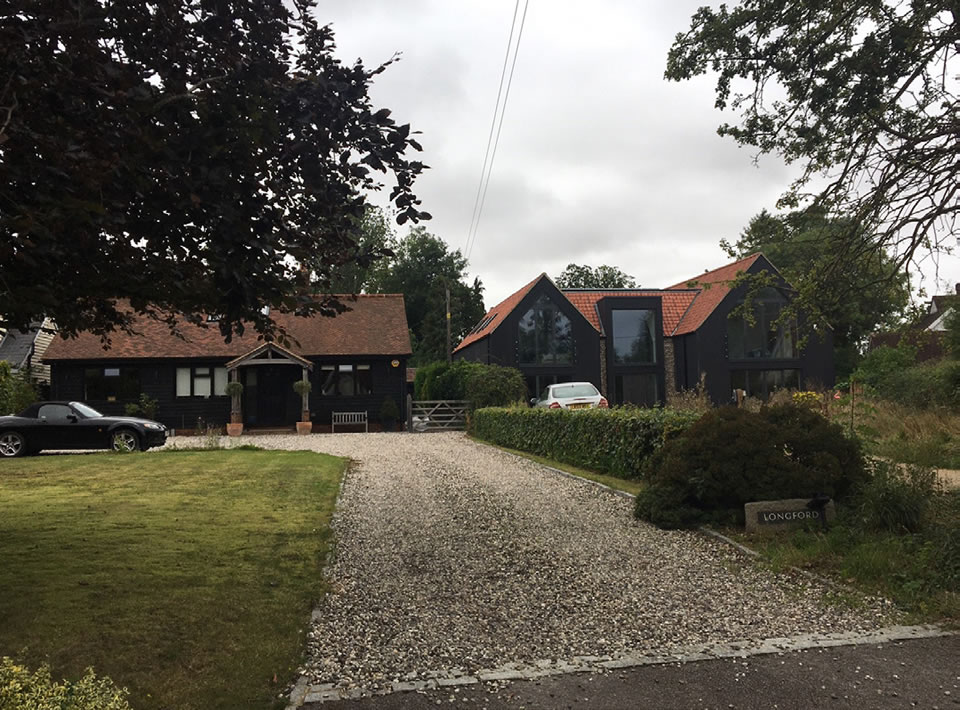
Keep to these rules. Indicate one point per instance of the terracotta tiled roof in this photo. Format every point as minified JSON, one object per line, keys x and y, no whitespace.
{"x":374,"y":325}
{"x":685,"y":305}
{"x":494,"y":317}
{"x":673,"y":303}
{"x":711,"y":296}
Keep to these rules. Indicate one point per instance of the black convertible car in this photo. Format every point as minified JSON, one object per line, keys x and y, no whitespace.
{"x":74,"y":425}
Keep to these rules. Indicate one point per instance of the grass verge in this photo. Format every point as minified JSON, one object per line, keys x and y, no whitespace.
{"x":187,"y":577}
{"x":620,"y":484}
{"x":919,"y":572}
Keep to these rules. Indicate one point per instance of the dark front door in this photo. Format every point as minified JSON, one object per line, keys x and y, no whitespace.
{"x":277,"y":403}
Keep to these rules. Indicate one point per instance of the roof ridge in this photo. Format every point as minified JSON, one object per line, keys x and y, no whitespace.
{"x":751,"y":258}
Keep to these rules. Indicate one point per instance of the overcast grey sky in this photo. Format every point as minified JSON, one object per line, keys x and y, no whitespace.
{"x":600,"y":161}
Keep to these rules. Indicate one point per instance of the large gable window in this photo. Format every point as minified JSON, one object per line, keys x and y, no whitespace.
{"x":764,"y":337}
{"x":544,"y":335}
{"x":633,"y":337}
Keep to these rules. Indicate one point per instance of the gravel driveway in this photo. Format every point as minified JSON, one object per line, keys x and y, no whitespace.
{"x":453,"y":557}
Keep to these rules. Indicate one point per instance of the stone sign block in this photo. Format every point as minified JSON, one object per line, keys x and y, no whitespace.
{"x":763,"y":515}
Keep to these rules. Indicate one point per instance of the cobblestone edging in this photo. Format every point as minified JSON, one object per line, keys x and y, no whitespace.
{"x":430,"y":680}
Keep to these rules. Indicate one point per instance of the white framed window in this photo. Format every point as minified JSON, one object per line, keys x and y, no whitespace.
{"x":201,"y":381}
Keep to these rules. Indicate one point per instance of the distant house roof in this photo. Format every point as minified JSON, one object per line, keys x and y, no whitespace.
{"x":374,"y":325}
{"x":685,"y":305}
{"x":17,"y":345}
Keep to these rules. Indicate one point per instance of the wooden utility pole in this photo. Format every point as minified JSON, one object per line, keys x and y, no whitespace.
{"x":449,"y":351}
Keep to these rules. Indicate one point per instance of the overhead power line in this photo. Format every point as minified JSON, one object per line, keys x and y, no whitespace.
{"x":494,"y":140}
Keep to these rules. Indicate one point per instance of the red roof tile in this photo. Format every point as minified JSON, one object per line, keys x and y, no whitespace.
{"x":711,"y":296}
{"x":375,"y":325}
{"x":494,"y":317}
{"x":685,"y":305}
{"x":673,"y":303}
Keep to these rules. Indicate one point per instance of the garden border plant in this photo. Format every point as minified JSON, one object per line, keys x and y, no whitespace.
{"x":732,"y":456}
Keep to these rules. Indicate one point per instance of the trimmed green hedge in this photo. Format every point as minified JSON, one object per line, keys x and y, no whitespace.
{"x":612,"y":441}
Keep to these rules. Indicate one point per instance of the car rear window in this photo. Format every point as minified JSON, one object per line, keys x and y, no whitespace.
{"x":565,"y":391}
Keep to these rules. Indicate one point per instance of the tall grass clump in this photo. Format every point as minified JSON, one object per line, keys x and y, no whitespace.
{"x":897,"y":498}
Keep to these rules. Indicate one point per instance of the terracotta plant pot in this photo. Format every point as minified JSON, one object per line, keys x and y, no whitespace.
{"x":234,"y":428}
{"x":304,"y":427}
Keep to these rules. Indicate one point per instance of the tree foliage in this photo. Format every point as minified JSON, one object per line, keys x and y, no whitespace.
{"x":863,"y":295}
{"x":582,"y":276}
{"x":374,"y":237}
{"x":862,"y":94}
{"x":422,"y":268}
{"x":188,"y":157}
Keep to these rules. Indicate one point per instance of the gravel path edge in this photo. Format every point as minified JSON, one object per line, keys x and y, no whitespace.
{"x":304,"y":693}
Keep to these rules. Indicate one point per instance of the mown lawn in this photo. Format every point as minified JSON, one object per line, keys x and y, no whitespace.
{"x":187,"y":577}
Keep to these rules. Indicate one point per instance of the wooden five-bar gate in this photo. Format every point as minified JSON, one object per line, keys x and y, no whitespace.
{"x":436,"y":415}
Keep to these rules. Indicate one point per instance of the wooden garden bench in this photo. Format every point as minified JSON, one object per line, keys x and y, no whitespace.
{"x":349,"y":418}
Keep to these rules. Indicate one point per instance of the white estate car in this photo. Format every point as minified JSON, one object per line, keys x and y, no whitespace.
{"x":571,"y":395}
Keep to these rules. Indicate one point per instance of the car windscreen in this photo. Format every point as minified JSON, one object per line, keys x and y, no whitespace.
{"x":86,"y":411}
{"x":566,"y":391}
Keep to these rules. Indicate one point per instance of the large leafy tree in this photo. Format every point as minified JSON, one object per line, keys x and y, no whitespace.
{"x":422,"y":268}
{"x":862,"y":94}
{"x":374,"y":237}
{"x":865,"y":294}
{"x":187,"y":157}
{"x":582,"y":276}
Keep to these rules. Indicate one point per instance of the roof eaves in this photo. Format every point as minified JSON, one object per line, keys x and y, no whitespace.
{"x":686,"y":310}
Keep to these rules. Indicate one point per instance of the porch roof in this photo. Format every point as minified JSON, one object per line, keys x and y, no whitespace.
{"x":254,"y":357}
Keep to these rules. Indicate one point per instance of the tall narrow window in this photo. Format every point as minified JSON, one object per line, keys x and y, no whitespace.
{"x":544,"y":335}
{"x":634,"y":340}
{"x":183,"y":381}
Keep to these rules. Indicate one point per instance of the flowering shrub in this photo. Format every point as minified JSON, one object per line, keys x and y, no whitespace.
{"x":19,"y":688}
{"x":811,"y":400}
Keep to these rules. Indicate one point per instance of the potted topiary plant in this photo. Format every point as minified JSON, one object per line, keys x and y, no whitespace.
{"x":389,"y":413}
{"x":235,"y":427}
{"x":302,"y":388}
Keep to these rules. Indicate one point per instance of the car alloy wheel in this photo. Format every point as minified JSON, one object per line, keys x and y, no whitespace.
{"x":125,"y":440}
{"x":11,"y":444}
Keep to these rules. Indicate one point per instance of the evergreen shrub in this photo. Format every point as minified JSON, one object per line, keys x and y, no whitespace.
{"x":483,"y":385}
{"x":20,"y":688}
{"x":732,"y":456}
{"x":16,"y":390}
{"x":612,"y":441}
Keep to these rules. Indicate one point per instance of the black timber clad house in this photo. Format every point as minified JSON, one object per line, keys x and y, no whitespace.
{"x":641,"y":346}
{"x":354,"y":361}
